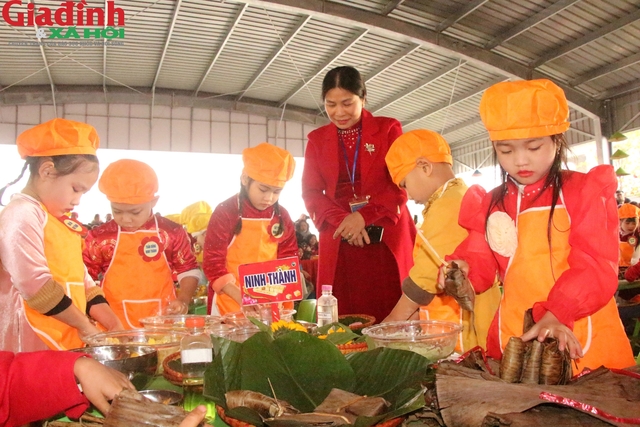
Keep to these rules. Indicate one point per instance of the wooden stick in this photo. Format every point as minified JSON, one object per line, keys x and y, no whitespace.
{"x":433,"y":251}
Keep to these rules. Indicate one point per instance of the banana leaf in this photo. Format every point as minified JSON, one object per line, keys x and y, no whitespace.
{"x":303,"y":369}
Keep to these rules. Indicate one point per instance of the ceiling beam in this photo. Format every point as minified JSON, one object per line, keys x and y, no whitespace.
{"x":582,"y":41}
{"x":607,"y":69}
{"x":422,"y":83}
{"x":620,"y":90}
{"x":429,"y":39}
{"x":234,"y":24}
{"x":470,"y":122}
{"x":176,"y":10}
{"x":460,"y":98}
{"x":46,"y":66}
{"x":281,"y":48}
{"x":460,"y":14}
{"x":530,"y":22}
{"x":391,"y":6}
{"x":345,"y":46}
{"x":391,"y":62}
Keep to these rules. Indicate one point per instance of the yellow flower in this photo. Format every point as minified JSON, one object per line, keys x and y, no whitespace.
{"x":281,"y":327}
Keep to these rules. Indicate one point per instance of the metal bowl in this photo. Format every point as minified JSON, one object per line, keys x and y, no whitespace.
{"x":165,"y":341}
{"x":139,"y":363}
{"x":432,"y":339}
{"x":166,"y":397}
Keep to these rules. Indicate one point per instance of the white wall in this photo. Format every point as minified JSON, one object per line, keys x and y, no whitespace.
{"x":185,"y":129}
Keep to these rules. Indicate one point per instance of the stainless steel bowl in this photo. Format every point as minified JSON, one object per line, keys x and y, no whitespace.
{"x":166,"y":397}
{"x":139,"y":363}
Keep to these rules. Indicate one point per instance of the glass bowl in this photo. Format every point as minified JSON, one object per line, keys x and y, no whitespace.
{"x":138,"y":362}
{"x":176,"y":321}
{"x":432,"y":339}
{"x":239,"y":318}
{"x":242,"y":334}
{"x":164,"y":340}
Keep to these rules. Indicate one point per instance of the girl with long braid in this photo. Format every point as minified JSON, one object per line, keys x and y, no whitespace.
{"x":249,"y":227}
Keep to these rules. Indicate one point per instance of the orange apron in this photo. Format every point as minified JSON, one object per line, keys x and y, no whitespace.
{"x":475,"y":326}
{"x":62,"y":250}
{"x":626,"y":253}
{"x":138,"y":282}
{"x":253,"y":244}
{"x":601,"y":335}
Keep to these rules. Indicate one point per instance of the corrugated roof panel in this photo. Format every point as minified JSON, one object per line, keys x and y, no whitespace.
{"x":368,"y":5}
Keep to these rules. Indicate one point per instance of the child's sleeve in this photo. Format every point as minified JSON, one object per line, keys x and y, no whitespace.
{"x":592,"y":277}
{"x":23,"y":257}
{"x":92,"y":255}
{"x":180,"y":252}
{"x":474,"y":249}
{"x":39,"y":385}
{"x":288,"y":246}
{"x":440,"y":227}
{"x":219,"y":236}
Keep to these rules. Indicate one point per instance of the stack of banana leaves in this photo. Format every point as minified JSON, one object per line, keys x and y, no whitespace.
{"x":297,"y":379}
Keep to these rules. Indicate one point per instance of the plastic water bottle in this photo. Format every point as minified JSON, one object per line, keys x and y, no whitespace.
{"x":327,"y":306}
{"x":196,"y":353}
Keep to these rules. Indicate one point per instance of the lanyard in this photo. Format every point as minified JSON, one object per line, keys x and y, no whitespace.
{"x":352,"y":175}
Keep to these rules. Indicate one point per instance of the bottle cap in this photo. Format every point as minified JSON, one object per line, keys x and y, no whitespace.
{"x":327,"y":288}
{"x":194,"y":322}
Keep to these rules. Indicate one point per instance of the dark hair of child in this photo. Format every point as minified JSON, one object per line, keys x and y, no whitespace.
{"x":65,"y":165}
{"x":243,"y":195}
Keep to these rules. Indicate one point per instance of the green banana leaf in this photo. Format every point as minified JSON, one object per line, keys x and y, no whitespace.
{"x":302,"y":369}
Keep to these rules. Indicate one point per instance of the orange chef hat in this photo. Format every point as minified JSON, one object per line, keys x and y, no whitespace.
{"x":524,"y":109}
{"x":402,"y":155}
{"x":129,"y":181}
{"x":627,"y":210}
{"x":198,"y":223}
{"x":58,"y":137}
{"x":268,"y":164}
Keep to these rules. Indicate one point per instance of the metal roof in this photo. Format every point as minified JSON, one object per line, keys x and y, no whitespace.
{"x":426,"y":63}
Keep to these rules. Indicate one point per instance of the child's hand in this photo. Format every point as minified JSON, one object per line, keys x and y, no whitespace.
{"x":442,"y":273}
{"x":194,"y":417}
{"x":99,"y":383}
{"x":176,"y":307}
{"x":550,"y":326}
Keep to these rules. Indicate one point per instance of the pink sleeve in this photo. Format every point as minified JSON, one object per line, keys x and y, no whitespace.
{"x":592,"y":277}
{"x":38,"y":385}
{"x":474,"y":249}
{"x":22,"y":246}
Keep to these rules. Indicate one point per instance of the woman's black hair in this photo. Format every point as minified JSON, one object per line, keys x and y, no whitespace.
{"x":554,"y":180}
{"x":64,"y":165}
{"x":243,"y":195}
{"x":347,"y":78}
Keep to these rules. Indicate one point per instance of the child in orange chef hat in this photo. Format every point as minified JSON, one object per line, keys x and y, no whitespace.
{"x":550,"y":234}
{"x":136,"y":253}
{"x":46,"y":291}
{"x":420,"y":162}
{"x":250,"y":226}
{"x":629,"y":233}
